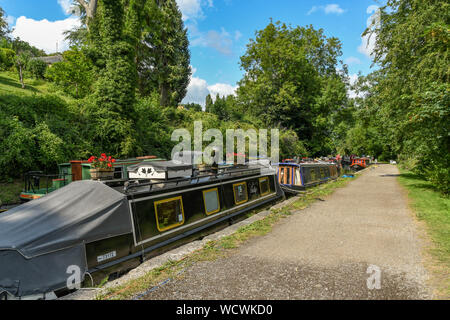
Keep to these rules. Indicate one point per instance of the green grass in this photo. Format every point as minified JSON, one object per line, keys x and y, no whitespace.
{"x":10,"y":191}
{"x":220,"y":248}
{"x":433,"y":208}
{"x":10,"y":85}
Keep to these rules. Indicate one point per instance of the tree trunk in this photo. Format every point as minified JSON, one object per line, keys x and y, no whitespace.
{"x":21,"y":76}
{"x":164,"y":95}
{"x":90,"y":8}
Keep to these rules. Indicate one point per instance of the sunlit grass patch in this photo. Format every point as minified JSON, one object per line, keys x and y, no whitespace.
{"x":433,"y":208}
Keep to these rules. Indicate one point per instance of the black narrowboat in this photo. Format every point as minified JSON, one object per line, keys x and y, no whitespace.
{"x":296,"y":177}
{"x":106,"y":226}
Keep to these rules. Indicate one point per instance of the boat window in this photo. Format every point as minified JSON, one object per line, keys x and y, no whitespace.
{"x":211,"y":201}
{"x":169,"y":213}
{"x":240,"y":192}
{"x":264,"y":186}
{"x":118,"y":173}
{"x":282,"y":175}
{"x":288,"y":175}
{"x":313,"y":174}
{"x":298,"y":178}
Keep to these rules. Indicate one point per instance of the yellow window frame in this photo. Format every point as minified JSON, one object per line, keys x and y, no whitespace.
{"x":218,"y":201}
{"x":260,"y":181}
{"x":234,"y":192}
{"x":156,"y":213}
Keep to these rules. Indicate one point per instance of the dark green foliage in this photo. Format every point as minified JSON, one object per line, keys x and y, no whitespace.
{"x":111,"y":108}
{"x":406,"y":108}
{"x":220,"y":108}
{"x":209,"y":103}
{"x":20,"y":46}
{"x":37,"y":68}
{"x":36,"y":133}
{"x":163,"y":54}
{"x":7,"y":57}
{"x":74,"y":74}
{"x":291,"y":81}
{"x":193,"y":106}
{"x":153,"y":128}
{"x":4,"y":29}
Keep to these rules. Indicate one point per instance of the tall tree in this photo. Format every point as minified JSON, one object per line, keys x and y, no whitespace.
{"x":209,"y":104}
{"x":90,"y":8}
{"x":118,"y":26}
{"x":4,"y":29}
{"x":163,"y":55}
{"x":411,"y":94}
{"x":287,"y":80}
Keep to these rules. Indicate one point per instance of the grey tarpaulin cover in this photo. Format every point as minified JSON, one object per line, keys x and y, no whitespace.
{"x":40,"y":239}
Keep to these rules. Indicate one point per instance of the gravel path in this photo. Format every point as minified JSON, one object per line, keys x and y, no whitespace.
{"x":323,"y":252}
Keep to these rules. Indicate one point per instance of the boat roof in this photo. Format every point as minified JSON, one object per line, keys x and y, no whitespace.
{"x":305,"y":164}
{"x":162,"y":166}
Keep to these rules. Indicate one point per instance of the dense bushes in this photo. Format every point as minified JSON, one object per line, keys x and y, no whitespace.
{"x":36,"y":133}
{"x":406,"y":105}
{"x":37,"y":68}
{"x":7,"y":57}
{"x":73,"y":75}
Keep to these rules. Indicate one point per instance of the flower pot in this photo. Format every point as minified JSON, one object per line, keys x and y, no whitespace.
{"x":102,"y":174}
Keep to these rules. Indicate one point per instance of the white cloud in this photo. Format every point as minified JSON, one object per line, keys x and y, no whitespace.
{"x":371,"y":9}
{"x":192,"y":9}
{"x":198,"y":89}
{"x":44,"y":34}
{"x":66,"y":5}
{"x":333,"y":8}
{"x":368,"y":42}
{"x":10,"y":20}
{"x":237,"y":35}
{"x":222,"y":89}
{"x":352,"y":60}
{"x":353,"y":78}
{"x":69,"y":7}
{"x":221,"y":41}
{"x":329,"y":8}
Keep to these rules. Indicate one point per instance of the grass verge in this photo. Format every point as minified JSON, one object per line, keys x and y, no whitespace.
{"x":433,"y":208}
{"x":217,"y":249}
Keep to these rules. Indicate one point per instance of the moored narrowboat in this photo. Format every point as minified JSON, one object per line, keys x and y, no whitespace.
{"x":359,"y":163}
{"x":105,"y":226}
{"x":296,"y":177}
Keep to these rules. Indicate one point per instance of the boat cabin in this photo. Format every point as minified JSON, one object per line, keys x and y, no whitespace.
{"x":160,"y":170}
{"x":298,"y":176}
{"x":360,"y":163}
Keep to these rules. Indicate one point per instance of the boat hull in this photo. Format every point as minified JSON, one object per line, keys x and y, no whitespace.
{"x":110,"y":228}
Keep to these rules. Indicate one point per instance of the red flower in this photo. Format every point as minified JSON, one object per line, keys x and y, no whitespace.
{"x":113,"y":160}
{"x":109,"y":165}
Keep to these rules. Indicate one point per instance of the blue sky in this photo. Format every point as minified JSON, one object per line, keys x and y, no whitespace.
{"x":218,"y":31}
